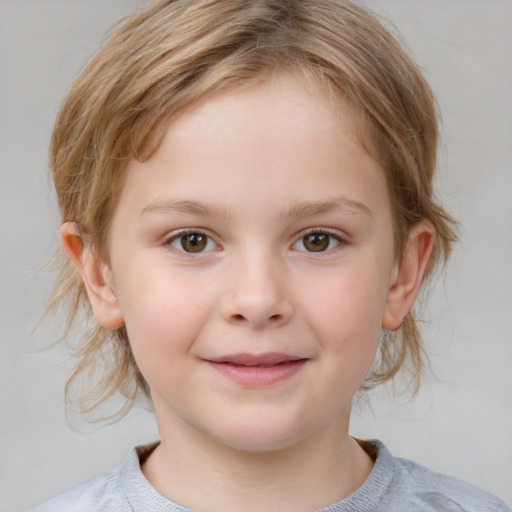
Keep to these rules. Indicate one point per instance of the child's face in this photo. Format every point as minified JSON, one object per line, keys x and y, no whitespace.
{"x":252,"y":262}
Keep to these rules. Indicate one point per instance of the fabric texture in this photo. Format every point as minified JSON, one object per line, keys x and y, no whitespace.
{"x":394,"y":485}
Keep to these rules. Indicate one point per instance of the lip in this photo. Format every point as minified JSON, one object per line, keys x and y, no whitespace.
{"x":257,"y":370}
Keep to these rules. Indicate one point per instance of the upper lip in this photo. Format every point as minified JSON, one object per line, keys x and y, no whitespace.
{"x":267,"y":359}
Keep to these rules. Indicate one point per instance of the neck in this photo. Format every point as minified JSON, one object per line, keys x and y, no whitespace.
{"x":203,"y":474}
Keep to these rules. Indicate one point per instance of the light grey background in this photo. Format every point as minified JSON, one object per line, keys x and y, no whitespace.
{"x":460,"y":424}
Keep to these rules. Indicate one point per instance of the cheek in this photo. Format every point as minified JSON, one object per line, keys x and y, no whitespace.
{"x":164,"y":316}
{"x":345,"y":312}
{"x":346,"y":300}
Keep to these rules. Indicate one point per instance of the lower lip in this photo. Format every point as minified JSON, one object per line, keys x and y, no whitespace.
{"x":259,"y":376}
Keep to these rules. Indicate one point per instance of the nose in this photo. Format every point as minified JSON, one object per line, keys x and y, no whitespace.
{"x":256,"y":294}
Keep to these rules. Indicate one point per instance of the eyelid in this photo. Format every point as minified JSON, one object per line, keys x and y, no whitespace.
{"x":336,"y":234}
{"x":177,"y":234}
{"x":341,"y":238}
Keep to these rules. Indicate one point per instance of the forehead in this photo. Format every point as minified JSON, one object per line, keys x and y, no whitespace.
{"x":282,"y":137}
{"x":289,"y":102}
{"x":283,"y":110}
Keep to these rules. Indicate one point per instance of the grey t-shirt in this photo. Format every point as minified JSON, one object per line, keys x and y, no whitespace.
{"x":394,"y":485}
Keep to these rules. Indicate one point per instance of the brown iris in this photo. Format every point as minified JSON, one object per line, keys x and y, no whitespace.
{"x":316,"y":242}
{"x":193,"y":242}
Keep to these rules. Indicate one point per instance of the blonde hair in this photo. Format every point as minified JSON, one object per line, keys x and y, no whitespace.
{"x":170,"y":54}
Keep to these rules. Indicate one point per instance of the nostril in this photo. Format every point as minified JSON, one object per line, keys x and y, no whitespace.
{"x":241,"y":318}
{"x":256,"y":313}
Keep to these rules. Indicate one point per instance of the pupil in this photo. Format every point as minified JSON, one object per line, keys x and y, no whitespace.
{"x":316,"y":243}
{"x":194,"y":242}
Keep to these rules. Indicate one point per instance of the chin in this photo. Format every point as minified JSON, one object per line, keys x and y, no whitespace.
{"x":260,"y":437}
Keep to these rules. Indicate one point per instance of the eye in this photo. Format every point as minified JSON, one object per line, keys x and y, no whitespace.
{"x":192,"y":242}
{"x":318,"y":241}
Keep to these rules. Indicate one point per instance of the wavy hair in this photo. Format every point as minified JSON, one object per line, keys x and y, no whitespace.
{"x":170,"y":54}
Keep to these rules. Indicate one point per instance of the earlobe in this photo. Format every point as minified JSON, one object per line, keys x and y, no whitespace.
{"x":408,"y":275}
{"x":96,"y":275}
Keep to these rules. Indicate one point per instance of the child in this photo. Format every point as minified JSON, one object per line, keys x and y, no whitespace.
{"x":247,"y":208}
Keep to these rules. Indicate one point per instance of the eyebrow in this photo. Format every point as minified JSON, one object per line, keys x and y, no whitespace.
{"x":299,"y":209}
{"x":310,"y":208}
{"x":170,"y":206}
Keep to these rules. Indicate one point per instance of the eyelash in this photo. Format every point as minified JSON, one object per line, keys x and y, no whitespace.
{"x":176,"y":237}
{"x":329,"y":235}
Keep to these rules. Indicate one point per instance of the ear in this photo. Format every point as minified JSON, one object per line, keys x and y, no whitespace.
{"x":96,"y":275}
{"x":407,"y":275}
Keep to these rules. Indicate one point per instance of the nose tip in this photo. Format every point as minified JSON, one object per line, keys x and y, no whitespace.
{"x":256,"y":289}
{"x":257,"y":303}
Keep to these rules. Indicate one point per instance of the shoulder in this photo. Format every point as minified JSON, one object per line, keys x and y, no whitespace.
{"x":124,"y":489}
{"x":102,"y":493}
{"x":426,"y":490}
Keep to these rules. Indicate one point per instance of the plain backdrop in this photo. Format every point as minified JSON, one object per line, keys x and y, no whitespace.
{"x":461,"y":423}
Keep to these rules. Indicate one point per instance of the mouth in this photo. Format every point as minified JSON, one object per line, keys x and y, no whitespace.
{"x":258,"y":370}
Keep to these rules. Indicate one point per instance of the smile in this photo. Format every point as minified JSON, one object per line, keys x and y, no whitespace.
{"x":261,"y":370}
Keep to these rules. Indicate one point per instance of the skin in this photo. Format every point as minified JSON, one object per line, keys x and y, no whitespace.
{"x":256,"y":172}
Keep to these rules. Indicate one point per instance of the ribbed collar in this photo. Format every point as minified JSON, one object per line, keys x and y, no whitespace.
{"x":142,"y":496}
